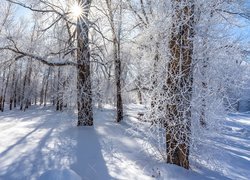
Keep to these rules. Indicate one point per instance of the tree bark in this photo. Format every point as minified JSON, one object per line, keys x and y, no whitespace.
{"x":179,"y":84}
{"x":119,"y":104}
{"x":59,"y":98}
{"x":5,"y":89}
{"x":12,"y":91}
{"x":2,"y":91}
{"x":116,"y":34}
{"x":42,"y":91}
{"x":46,"y":87}
{"x":84,"y":92}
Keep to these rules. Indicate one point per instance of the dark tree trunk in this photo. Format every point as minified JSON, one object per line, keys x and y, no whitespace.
{"x":1,"y":99}
{"x":118,"y":68}
{"x":2,"y":91}
{"x":42,"y":92}
{"x":23,"y":94}
{"x":28,"y":90}
{"x":15,"y":92}
{"x":45,"y":83}
{"x":59,"y":98}
{"x":139,"y":91}
{"x":84,"y":92}
{"x":119,"y":105}
{"x":203,"y":91}
{"x":116,"y":33}
{"x":179,"y":84}
{"x":46,"y":89}
{"x":154,"y":77}
{"x":5,"y":89}
{"x":12,"y":91}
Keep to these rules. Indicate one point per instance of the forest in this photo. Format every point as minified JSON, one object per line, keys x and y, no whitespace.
{"x":124,"y":89}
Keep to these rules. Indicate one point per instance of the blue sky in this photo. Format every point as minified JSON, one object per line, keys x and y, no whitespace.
{"x":242,"y":32}
{"x":23,"y":12}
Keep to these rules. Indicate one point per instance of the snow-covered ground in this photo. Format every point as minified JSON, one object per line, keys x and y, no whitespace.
{"x":43,"y":144}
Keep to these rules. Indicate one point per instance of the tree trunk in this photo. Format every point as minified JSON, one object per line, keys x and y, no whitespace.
{"x":12,"y":91}
{"x":116,"y":34}
{"x":59,"y":98}
{"x":139,"y":89}
{"x":5,"y":89}
{"x":204,"y":87}
{"x":204,"y":69}
{"x":119,"y":105}
{"x":2,"y":91}
{"x":42,"y":92}
{"x":179,"y":84}
{"x":46,"y":88}
{"x":23,"y":94}
{"x":84,"y":92}
{"x":15,"y":91}
{"x":1,"y":100}
{"x":28,"y":90}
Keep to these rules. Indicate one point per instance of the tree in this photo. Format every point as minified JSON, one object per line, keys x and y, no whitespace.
{"x":84,"y":94}
{"x":116,"y":40}
{"x":179,"y":83}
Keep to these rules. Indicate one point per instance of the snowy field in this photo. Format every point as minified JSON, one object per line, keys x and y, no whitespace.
{"x":43,"y":144}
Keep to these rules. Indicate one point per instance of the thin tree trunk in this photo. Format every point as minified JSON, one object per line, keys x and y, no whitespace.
{"x":28,"y":90}
{"x":2,"y":91}
{"x":59,"y":102}
{"x":12,"y":94}
{"x":139,"y":87}
{"x":204,"y":69}
{"x":117,"y":58}
{"x":5,"y":89}
{"x":42,"y":92}
{"x":23,"y":94}
{"x":154,"y":76}
{"x":15,"y":93}
{"x":46,"y":87}
{"x":203,"y":91}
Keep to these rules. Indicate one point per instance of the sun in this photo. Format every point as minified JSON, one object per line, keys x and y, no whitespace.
{"x":76,"y":10}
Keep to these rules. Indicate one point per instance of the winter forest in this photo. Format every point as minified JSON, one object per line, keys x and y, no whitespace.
{"x":124,"y":89}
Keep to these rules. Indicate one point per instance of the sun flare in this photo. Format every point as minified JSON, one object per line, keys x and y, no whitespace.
{"x":76,"y":10}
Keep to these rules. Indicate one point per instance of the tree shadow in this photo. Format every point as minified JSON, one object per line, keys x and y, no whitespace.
{"x":90,"y":163}
{"x":49,"y":142}
{"x":226,"y":156}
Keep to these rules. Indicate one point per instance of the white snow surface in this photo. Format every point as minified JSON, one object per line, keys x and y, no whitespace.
{"x":59,"y":174}
{"x":44,"y":144}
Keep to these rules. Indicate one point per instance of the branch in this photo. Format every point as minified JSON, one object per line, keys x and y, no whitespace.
{"x":31,"y":8}
{"x":136,"y":13}
{"x":244,"y":15}
{"x":38,"y":58}
{"x":51,"y":10}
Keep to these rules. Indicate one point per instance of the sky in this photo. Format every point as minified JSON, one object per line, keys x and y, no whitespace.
{"x":23,"y":12}
{"x":241,"y":32}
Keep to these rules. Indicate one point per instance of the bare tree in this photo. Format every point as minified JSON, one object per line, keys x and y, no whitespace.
{"x":116,"y":40}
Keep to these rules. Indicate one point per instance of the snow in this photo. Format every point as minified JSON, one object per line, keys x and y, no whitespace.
{"x":44,"y":144}
{"x":63,"y":174}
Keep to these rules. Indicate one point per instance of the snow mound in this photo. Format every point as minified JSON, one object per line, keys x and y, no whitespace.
{"x":60,"y":174}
